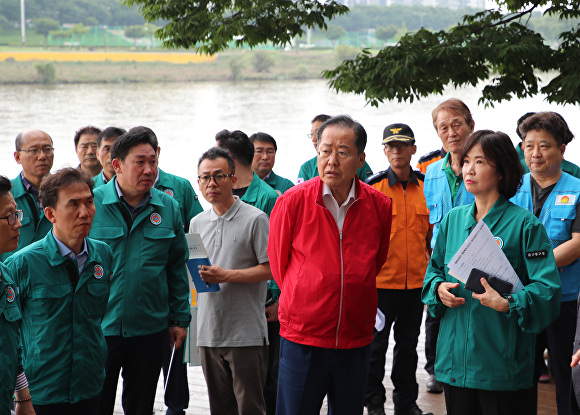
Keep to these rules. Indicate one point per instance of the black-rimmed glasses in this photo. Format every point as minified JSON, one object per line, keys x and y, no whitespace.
{"x":12,"y":217}
{"x":218,"y":178}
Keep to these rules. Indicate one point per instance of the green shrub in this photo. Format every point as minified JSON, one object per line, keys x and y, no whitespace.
{"x":46,"y":72}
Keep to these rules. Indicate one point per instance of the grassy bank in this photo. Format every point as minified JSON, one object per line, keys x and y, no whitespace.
{"x":231,"y":65}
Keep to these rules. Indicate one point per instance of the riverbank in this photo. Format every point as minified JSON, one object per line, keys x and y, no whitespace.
{"x":236,"y":65}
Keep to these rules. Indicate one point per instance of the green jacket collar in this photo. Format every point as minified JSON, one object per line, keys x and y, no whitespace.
{"x":251,"y":195}
{"x":55,"y":258}
{"x":110,"y":195}
{"x":164,"y":180}
{"x":18,"y":189}
{"x":493,"y":216}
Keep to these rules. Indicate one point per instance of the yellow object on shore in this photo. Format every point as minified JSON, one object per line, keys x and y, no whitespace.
{"x":107,"y":56}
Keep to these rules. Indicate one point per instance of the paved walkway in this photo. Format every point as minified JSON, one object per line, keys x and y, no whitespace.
{"x":199,"y":404}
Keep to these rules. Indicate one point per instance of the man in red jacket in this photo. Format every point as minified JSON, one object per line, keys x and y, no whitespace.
{"x":329,"y":238}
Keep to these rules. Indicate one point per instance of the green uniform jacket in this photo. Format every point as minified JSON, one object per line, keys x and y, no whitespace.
{"x":262,"y":196}
{"x":567,"y":166}
{"x":64,"y":350}
{"x":35,"y":226}
{"x":149,"y":288}
{"x":279,"y":184}
{"x":478,"y":347}
{"x":181,"y":190}
{"x":10,"y":320}
{"x":98,"y":179}
{"x":309,"y":170}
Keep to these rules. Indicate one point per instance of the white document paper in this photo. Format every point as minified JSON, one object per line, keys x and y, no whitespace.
{"x":195,"y":245}
{"x":480,"y":250}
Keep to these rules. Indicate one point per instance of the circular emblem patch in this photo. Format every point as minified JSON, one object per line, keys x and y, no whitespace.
{"x":10,"y":295}
{"x":155,"y":218}
{"x":564,"y":200}
{"x":169,"y":192}
{"x":499,"y":241}
{"x":98,"y":272}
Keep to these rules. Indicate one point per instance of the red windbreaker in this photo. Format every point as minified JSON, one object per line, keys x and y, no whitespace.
{"x":328,"y":280}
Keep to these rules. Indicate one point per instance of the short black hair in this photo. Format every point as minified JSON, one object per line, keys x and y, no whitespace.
{"x":520,"y":121}
{"x":89,"y":129}
{"x":344,"y":121}
{"x":501,"y":155}
{"x":238,"y":144}
{"x":108,"y":133}
{"x":132,"y":138}
{"x":321,"y":118}
{"x":266,"y":138}
{"x":52,"y":183}
{"x":549,"y":121}
{"x":215,"y":153}
{"x":5,"y":185}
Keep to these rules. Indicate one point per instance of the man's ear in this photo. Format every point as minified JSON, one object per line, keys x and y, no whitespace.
{"x":49,"y":213}
{"x":361,"y":159}
{"x":116,"y":165}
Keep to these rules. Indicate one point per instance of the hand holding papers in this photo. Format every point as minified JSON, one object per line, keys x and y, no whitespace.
{"x":198,"y":256}
{"x":481,"y":251}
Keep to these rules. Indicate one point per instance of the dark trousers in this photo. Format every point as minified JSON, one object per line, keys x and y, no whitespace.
{"x":560,"y":341}
{"x":271,"y":386}
{"x":431,"y":334}
{"x":86,"y":407}
{"x":235,"y":378}
{"x":177,"y":390}
{"x":140,"y":358}
{"x":308,"y":374}
{"x":405,"y":309}
{"x":465,"y":401}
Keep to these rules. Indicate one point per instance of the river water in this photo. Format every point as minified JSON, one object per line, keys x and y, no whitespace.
{"x":186,"y":117}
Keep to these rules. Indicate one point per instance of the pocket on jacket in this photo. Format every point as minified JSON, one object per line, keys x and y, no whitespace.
{"x":436,"y":212}
{"x":12,"y":313}
{"x":560,"y":222}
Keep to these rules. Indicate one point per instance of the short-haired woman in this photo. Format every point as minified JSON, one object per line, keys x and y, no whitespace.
{"x":485,"y":351}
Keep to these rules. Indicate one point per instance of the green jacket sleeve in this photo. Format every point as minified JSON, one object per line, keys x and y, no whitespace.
{"x":435,"y":273}
{"x":538,"y":303}
{"x":178,"y":284}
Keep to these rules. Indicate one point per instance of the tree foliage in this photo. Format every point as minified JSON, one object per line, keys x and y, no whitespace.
{"x":385,"y":33}
{"x":210,"y":26}
{"x":109,"y":12}
{"x":499,"y":49}
{"x":44,"y":26}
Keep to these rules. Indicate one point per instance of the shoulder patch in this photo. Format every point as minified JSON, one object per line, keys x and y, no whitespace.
{"x":430,"y":155}
{"x":377,"y":177}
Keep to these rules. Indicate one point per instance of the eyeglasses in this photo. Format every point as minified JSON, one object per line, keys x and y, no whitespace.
{"x":85,"y":146}
{"x":48,"y":151}
{"x":269,"y":152}
{"x":218,"y":178}
{"x":311,"y":135}
{"x":341,"y":155}
{"x":399,"y":147}
{"x":12,"y":217}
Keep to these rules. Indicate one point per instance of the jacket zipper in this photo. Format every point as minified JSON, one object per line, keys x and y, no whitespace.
{"x":341,"y":290}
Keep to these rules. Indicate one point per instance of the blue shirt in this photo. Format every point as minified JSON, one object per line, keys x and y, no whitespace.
{"x":81,"y":258}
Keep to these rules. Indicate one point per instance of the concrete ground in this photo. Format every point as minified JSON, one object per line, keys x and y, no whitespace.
{"x":199,"y":404}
